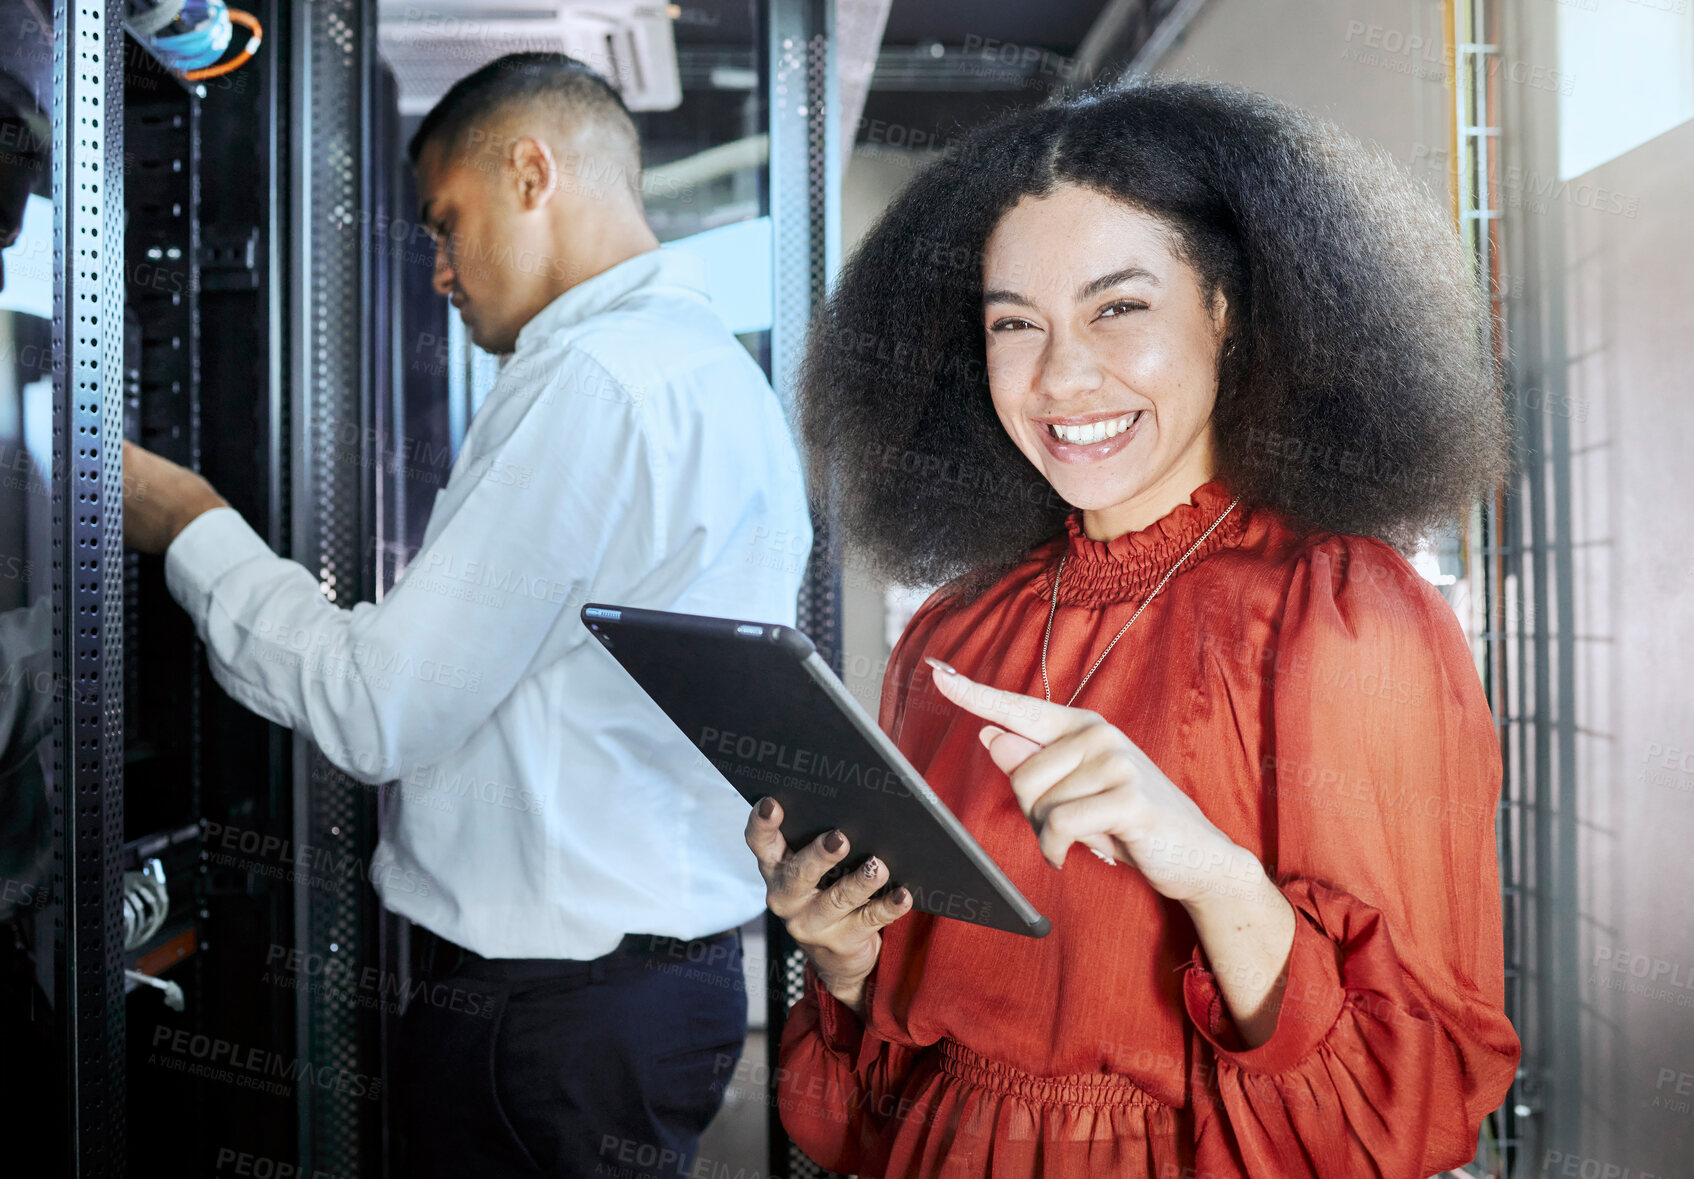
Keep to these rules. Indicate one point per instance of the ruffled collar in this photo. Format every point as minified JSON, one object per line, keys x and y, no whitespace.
{"x":1127,"y":567}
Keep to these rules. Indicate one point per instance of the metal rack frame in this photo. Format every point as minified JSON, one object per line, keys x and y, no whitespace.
{"x":85,"y":757}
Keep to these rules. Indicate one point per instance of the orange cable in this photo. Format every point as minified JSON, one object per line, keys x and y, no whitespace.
{"x":251,"y":23}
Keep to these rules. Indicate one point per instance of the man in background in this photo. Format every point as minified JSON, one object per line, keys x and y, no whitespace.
{"x":578,"y":865}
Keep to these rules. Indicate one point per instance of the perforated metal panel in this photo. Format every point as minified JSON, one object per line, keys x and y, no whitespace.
{"x":334,"y":918}
{"x":805,"y":187}
{"x":805,"y":178}
{"x":87,"y":567}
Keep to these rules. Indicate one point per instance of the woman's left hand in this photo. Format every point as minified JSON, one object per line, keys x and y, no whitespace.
{"x":1080,"y":779}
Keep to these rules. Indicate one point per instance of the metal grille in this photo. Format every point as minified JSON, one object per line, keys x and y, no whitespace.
{"x":87,"y":568}
{"x":1476,"y":203}
{"x":334,"y":915}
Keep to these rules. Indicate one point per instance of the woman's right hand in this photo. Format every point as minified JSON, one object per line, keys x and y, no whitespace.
{"x":839,"y":927}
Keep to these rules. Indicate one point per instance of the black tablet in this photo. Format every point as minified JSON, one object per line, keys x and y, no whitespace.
{"x":768,"y":713}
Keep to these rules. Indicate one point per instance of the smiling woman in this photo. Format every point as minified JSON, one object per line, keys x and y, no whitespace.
{"x":1101,"y":343}
{"x":1160,"y":379}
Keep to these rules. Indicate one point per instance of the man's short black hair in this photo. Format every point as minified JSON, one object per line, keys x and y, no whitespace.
{"x":575,"y":90}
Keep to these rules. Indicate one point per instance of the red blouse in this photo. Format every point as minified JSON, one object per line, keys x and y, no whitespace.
{"x":1317,"y":699}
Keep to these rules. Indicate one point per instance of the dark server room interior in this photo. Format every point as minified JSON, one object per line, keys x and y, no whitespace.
{"x":229,"y":946}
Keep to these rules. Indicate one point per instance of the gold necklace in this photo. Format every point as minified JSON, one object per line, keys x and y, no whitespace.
{"x":1046,"y":687}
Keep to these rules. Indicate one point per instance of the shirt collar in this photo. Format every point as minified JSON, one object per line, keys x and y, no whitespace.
{"x":655,"y":268}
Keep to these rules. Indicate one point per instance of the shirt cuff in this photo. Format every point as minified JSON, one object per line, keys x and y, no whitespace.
{"x":1312,"y":1000}
{"x":840,"y":1028}
{"x":213,"y":543}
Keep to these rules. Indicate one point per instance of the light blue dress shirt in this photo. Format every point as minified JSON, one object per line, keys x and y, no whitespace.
{"x":630,"y":452}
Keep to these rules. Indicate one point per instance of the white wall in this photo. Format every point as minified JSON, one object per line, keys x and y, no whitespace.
{"x":1376,"y":68}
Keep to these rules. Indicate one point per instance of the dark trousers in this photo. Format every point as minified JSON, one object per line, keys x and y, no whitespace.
{"x":608,"y":1067}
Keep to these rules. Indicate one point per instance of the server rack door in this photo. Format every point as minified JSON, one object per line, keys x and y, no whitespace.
{"x":336,"y":326}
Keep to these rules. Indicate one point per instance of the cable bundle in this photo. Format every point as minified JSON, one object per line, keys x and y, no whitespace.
{"x":191,"y":36}
{"x":146,"y":903}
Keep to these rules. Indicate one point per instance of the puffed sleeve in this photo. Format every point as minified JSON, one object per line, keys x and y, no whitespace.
{"x":839,"y":1083}
{"x":1381,"y":778}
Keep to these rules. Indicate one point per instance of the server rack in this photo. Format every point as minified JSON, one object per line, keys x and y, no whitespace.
{"x":222,"y":295}
{"x":162,"y":276}
{"x":211,"y":399}
{"x":164,"y":798}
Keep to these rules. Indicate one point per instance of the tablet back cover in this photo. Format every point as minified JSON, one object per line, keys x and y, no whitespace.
{"x":742,"y":695}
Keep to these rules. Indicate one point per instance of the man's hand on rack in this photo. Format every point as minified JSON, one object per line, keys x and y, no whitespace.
{"x":161,"y":499}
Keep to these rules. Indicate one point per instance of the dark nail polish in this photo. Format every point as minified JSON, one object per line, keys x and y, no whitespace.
{"x":766,"y":806}
{"x":900,"y":896}
{"x":833,"y":841}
